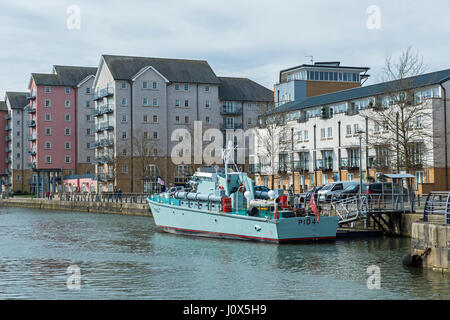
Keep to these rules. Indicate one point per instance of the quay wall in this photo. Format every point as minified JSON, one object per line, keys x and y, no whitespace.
{"x":134,"y":209}
{"x":432,"y":242}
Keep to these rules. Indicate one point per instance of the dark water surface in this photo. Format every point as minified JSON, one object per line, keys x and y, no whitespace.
{"x":125,"y":257}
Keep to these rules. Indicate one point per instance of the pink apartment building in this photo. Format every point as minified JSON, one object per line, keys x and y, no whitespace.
{"x":4,"y":154}
{"x":53,"y":127}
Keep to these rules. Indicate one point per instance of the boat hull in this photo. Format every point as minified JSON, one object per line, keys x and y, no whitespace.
{"x":183,"y":220}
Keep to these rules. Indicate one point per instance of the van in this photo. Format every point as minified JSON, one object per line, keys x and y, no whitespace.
{"x":329,"y":189}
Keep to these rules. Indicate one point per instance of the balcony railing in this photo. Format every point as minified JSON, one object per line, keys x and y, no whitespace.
{"x":31,"y":137}
{"x":7,"y":128}
{"x":104,"y":126}
{"x":31,"y":109}
{"x":232,"y":126}
{"x":7,"y":138}
{"x":349,"y":163}
{"x":301,"y":166}
{"x":7,"y":150}
{"x":31,"y":124}
{"x":32,"y":152}
{"x":226,"y":111}
{"x":324,"y":165}
{"x":101,"y":93}
{"x":102,"y":143}
{"x":103,"y":110}
{"x":7,"y":116}
{"x":254,"y":168}
{"x":32,"y":96}
{"x":7,"y":160}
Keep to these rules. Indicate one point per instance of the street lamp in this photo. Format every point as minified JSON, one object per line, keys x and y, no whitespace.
{"x":360,"y":132}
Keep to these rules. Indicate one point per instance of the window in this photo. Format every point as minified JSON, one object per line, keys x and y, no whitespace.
{"x":186,"y":103}
{"x":155,"y":135}
{"x":67,"y":90}
{"x":48,"y":159}
{"x":177,"y":119}
{"x":324,"y":179}
{"x":299,"y":135}
{"x":48,"y":103}
{"x":144,"y":85}
{"x":145,"y":118}
{"x":48,"y":117}
{"x":88,"y":90}
{"x":48,"y":145}
{"x":48,"y":131}
{"x":48,"y":90}
{"x":249,"y":121}
{"x":67,"y":103}
{"x":356,"y":128}
{"x":88,"y":159}
{"x":67,"y":117}
{"x":67,"y":145}
{"x":207,"y":104}
{"x":206,"y":88}
{"x":419,"y":122}
{"x":186,"y":87}
{"x":145,"y":101}
{"x":419,"y":178}
{"x":155,"y":85}
{"x":377,"y":126}
{"x":88,"y":117}
{"x":249,"y":106}
{"x":67,"y":159}
{"x":88,"y":145}
{"x":207,"y":119}
{"x":349,"y":129}
{"x":350,"y":176}
{"x":186,"y":119}
{"x":177,"y":86}
{"x":124,"y":101}
{"x":124,"y":134}
{"x":124,"y":169}
{"x":88,"y":131}
{"x":155,"y":118}
{"x":124,"y":152}
{"x":124,"y":85}
{"x":145,"y":135}
{"x":88,"y":104}
{"x":124,"y":118}
{"x":67,"y":131}
{"x":306,"y":135}
{"x":322,"y":133}
{"x":155,"y":102}
{"x":330,"y":132}
{"x":18,"y":133}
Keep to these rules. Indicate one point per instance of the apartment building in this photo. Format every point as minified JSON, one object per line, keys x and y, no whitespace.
{"x":330,"y":136}
{"x":141,"y":101}
{"x":57,"y":100}
{"x":20,"y":174}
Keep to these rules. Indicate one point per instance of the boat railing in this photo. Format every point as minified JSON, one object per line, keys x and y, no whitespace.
{"x":139,"y":198}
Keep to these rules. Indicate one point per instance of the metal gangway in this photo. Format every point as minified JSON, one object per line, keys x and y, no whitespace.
{"x":437,"y":206}
{"x":350,"y":209}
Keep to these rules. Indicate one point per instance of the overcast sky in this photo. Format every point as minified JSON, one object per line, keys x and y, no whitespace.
{"x":253,"y":39}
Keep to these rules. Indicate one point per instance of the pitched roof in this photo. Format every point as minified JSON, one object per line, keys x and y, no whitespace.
{"x":3,"y":106}
{"x":63,"y":76}
{"x":367,"y":91}
{"x":17,"y":100}
{"x":175,"y":70}
{"x":243,"y":89}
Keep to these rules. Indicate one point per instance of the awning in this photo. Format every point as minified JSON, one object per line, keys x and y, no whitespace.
{"x":397,"y":175}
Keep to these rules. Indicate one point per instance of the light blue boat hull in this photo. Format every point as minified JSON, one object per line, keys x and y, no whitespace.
{"x":176,"y":219}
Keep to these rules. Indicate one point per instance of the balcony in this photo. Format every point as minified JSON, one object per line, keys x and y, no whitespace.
{"x":105,"y":109}
{"x":301,"y":166}
{"x":254,"y":168}
{"x":7,"y":128}
{"x":32,"y":152}
{"x":7,"y":116}
{"x":7,"y":172}
{"x":349,"y":164}
{"x":32,"y":164}
{"x":324,"y":165}
{"x":7,"y":150}
{"x":7,"y":160}
{"x":104,"y":126}
{"x":227,"y":111}
{"x":32,"y":96}
{"x":230,"y":126}
{"x":7,"y":138}
{"x":31,"y":137}
{"x":101,"y":177}
{"x":31,"y":109}
{"x":31,"y":124}
{"x":283,"y":167}
{"x":101,"y":93}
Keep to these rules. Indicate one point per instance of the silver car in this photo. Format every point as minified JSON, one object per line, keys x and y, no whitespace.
{"x":327,"y":191}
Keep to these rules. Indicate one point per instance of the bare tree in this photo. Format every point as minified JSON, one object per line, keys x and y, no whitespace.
{"x":273,"y":142}
{"x":145,"y":150}
{"x":400,"y":120}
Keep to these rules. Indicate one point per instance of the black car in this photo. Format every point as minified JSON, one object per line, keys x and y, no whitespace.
{"x":261,"y":188}
{"x":350,"y":191}
{"x":384,"y":190}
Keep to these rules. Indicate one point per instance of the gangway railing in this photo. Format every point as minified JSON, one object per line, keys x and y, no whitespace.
{"x":437,"y":206}
{"x":350,"y":209}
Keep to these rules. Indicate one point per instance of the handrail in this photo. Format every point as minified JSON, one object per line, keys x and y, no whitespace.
{"x":140,"y":198}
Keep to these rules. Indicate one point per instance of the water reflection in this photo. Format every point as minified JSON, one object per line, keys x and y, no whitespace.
{"x":124,"y":257}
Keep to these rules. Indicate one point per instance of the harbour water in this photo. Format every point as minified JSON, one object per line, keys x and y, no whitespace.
{"x":126,"y":257}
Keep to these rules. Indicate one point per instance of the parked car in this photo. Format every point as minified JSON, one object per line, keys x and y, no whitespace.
{"x":307,"y":195}
{"x":329,"y":189}
{"x":261,"y":188}
{"x":349,"y":191}
{"x":384,"y":189}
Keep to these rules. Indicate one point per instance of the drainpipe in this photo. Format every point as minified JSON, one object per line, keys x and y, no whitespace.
{"x":445,"y":135}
